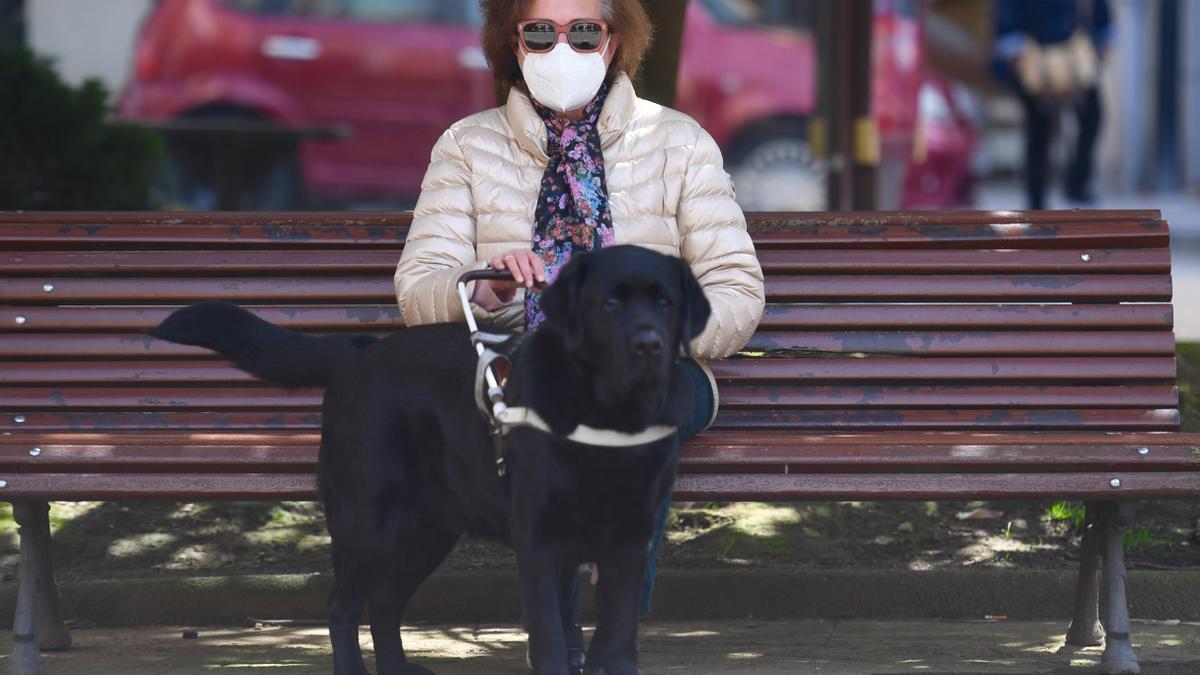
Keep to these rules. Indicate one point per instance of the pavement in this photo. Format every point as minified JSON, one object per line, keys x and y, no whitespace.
{"x":704,"y":621}
{"x":834,"y":647}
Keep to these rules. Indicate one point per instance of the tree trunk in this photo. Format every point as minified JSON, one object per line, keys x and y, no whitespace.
{"x":660,"y":71}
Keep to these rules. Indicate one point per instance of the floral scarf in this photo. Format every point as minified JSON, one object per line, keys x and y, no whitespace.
{"x":572,"y":210}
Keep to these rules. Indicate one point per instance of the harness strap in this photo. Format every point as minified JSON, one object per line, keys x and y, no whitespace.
{"x":516,"y":417}
{"x":484,"y":402}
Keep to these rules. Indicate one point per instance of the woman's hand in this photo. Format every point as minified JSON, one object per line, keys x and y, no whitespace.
{"x":526,"y":268}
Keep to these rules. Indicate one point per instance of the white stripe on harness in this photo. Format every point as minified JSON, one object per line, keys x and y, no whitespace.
{"x":512,"y":418}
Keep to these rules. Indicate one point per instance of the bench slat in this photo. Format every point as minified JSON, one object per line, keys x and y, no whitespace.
{"x":798,"y":218}
{"x":1053,"y":419}
{"x":145,"y":291}
{"x":965,"y":261}
{"x":948,"y":419}
{"x":377,"y":289}
{"x":264,"y":263}
{"x":873,"y":369}
{"x":970,"y":288}
{"x":135,"y":346}
{"x":972,"y":370}
{"x":140,"y":319}
{"x":173,"y":486}
{"x":974,"y":230}
{"x":726,"y":487}
{"x":379,"y":232}
{"x":776,"y":317}
{"x":902,"y":396}
{"x":928,"y":316}
{"x":1063,"y":229}
{"x":919,"y":486}
{"x":1015,"y":343}
{"x":255,"y":396}
{"x":845,"y":457}
{"x":265,"y":454}
{"x":373,"y":261}
{"x":716,"y":440}
{"x":197,"y":420}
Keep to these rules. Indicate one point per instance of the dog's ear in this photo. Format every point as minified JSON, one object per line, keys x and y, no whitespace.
{"x":694,"y":307}
{"x":560,"y":301}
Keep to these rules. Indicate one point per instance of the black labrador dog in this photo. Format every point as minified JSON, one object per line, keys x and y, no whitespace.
{"x":407,"y":463}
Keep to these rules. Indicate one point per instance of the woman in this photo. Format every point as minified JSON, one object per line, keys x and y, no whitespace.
{"x":575,"y":161}
{"x":1022,"y":24}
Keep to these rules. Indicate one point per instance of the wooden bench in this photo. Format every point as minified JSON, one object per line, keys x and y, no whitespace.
{"x":917,"y":356}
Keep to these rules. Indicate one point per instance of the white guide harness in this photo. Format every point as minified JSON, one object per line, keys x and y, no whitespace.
{"x":502,"y":417}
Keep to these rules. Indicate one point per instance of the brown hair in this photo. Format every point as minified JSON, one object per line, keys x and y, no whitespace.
{"x":626,"y":19}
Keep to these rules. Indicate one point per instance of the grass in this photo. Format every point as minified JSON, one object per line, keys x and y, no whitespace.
{"x":1072,"y":512}
{"x":1188,"y":379}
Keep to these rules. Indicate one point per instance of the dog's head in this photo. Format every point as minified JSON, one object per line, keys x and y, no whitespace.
{"x":628,"y":312}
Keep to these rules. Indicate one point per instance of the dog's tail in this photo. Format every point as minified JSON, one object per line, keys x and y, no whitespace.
{"x":266,"y":351}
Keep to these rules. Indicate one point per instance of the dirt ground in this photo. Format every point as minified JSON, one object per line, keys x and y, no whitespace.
{"x":698,"y":648}
{"x":127,"y":540}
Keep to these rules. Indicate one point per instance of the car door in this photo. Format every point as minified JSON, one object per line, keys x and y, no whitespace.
{"x":396,"y":72}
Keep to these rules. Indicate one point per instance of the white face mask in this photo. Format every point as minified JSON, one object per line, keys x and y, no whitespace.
{"x":563,"y":79}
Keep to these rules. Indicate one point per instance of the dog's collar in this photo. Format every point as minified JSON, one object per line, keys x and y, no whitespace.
{"x":512,"y":418}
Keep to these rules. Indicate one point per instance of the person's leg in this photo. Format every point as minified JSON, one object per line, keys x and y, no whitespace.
{"x":702,"y":412}
{"x":1079,"y":179}
{"x":1038,"y":124}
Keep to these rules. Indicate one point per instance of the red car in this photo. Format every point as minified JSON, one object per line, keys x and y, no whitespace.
{"x":399,"y":72}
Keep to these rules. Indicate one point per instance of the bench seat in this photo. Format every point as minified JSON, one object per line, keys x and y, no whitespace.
{"x":718,"y":465}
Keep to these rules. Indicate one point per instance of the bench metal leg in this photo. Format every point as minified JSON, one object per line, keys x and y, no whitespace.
{"x":1118,"y":652}
{"x":38,"y":619}
{"x":53,"y":635}
{"x":1085,"y":630}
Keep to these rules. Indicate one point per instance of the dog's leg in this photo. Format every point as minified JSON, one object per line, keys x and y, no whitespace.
{"x":614,"y":647}
{"x":569,"y":601}
{"x":413,"y":558}
{"x":351,"y":580}
{"x":538,"y":573}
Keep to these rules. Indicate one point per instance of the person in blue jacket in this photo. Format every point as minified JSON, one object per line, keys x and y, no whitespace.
{"x":1050,"y":22}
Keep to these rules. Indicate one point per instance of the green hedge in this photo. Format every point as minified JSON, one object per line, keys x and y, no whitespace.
{"x":58,"y":150}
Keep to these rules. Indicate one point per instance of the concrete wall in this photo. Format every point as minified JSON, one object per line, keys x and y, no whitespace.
{"x":87,"y":38}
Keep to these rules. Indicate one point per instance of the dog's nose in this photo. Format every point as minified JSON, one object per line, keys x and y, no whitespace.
{"x":647,"y":343}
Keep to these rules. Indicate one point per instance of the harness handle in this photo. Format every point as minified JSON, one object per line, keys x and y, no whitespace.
{"x":495,"y":393}
{"x":488,"y":274}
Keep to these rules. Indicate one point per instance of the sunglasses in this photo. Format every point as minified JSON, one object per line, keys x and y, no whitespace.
{"x":539,"y":36}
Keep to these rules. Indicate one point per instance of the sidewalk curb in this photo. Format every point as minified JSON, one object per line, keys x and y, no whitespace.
{"x":706,"y":594}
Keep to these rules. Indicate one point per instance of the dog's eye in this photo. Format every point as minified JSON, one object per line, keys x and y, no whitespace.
{"x":612,"y":304}
{"x":664,"y":303}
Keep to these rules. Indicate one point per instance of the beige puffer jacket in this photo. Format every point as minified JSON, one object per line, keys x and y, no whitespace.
{"x":667,"y":191}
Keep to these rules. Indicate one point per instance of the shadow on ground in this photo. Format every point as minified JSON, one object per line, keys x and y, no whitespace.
{"x":702,"y":648}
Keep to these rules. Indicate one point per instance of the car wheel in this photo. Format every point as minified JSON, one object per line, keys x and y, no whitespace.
{"x":773,"y":169}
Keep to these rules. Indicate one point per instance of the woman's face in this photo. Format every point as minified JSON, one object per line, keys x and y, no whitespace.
{"x":563,"y":12}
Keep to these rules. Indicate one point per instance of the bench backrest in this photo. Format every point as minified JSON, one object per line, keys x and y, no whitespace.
{"x":960,"y":321}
